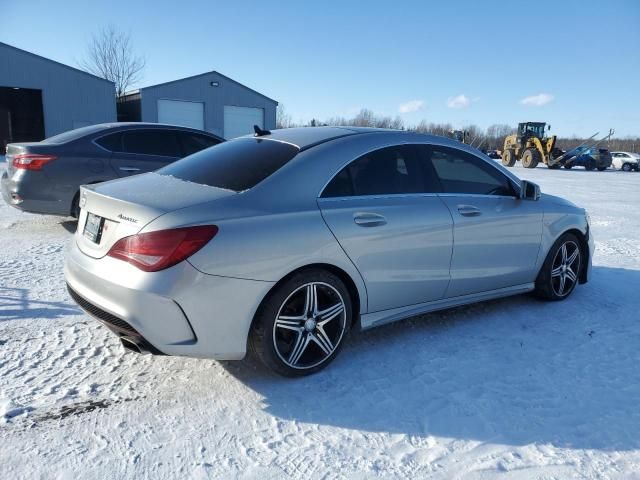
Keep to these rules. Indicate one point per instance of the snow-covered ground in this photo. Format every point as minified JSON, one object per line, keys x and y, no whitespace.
{"x":515,"y":388}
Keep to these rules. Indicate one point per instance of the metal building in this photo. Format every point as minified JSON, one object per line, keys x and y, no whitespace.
{"x":210,"y":101}
{"x":40,"y":97}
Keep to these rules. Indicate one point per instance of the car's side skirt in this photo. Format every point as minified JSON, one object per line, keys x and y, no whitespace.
{"x":370,"y":320}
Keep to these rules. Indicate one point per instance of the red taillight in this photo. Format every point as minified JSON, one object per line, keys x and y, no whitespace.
{"x":155,"y":251}
{"x":31,"y":161}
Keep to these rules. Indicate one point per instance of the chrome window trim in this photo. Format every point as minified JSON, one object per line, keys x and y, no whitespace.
{"x":425,"y":194}
{"x":93,"y":140}
{"x":489,"y":162}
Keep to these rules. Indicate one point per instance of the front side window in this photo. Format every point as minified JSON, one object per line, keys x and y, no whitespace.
{"x":462,"y":172}
{"x":151,"y":142}
{"x":388,"y":171}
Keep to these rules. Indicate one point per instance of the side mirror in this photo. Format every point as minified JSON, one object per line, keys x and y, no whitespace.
{"x":529,"y":190}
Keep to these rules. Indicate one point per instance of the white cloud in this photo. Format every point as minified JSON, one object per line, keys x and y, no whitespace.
{"x":461,"y":101}
{"x":537,"y":100}
{"x":411,"y":106}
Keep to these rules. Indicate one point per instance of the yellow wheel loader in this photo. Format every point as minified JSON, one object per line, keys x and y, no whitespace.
{"x":530,"y":146}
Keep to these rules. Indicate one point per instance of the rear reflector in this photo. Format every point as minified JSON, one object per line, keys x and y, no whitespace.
{"x":31,"y":161}
{"x":154,"y":251}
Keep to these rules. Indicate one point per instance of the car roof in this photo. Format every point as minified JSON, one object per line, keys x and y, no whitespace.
{"x":307,"y":137}
{"x":100,"y":129}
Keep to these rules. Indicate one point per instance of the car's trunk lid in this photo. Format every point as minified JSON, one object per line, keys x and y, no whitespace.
{"x":123,"y":207}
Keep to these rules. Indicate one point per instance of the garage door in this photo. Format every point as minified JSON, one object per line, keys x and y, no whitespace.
{"x":240,"y":120}
{"x":179,"y":112}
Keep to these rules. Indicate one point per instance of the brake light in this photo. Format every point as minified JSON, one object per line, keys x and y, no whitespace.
{"x":30,"y":161}
{"x":154,"y":251}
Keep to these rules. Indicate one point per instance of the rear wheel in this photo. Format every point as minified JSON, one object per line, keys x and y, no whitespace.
{"x":301,"y":326}
{"x":508,"y":158}
{"x":559,"y":274}
{"x":530,"y":158}
{"x":75,"y":206}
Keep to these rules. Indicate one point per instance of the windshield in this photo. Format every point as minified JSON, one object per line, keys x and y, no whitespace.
{"x":236,"y":165}
{"x":532,"y":129}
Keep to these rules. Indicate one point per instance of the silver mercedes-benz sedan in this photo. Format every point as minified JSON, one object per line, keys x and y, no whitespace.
{"x":284,"y":241}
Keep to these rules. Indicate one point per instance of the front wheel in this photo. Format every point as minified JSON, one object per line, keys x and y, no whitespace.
{"x":530,"y":158}
{"x":626,"y":167}
{"x":302,"y":325}
{"x":560,"y":272}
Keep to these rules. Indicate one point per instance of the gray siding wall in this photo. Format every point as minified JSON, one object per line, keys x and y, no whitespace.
{"x":70,"y":98}
{"x":199,"y":89}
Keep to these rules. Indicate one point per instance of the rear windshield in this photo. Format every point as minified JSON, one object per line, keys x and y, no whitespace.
{"x":236,"y":165}
{"x":71,"y":135}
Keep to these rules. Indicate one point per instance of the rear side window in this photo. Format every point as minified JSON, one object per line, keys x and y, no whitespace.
{"x":151,"y":142}
{"x":461,"y":172}
{"x":388,"y":171}
{"x":236,"y":165}
{"x":193,"y":142}
{"x":112,"y":142}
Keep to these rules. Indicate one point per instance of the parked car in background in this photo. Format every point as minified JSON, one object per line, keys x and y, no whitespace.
{"x":626,"y":161}
{"x":494,"y":154}
{"x":45,"y":177}
{"x":590,"y":158}
{"x":286,"y":240}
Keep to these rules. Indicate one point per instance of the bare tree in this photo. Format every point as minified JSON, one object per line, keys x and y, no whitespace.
{"x":110,"y":55}
{"x":283,"y":119}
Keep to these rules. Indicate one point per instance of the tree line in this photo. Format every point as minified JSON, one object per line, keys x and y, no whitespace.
{"x":491,"y":138}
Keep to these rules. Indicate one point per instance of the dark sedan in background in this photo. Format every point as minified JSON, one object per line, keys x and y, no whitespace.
{"x":45,"y":177}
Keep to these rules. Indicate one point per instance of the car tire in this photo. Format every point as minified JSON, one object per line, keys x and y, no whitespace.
{"x":530,"y":158}
{"x":568,"y":166}
{"x":560,"y":272}
{"x":508,"y":158}
{"x":301,"y":326}
{"x":602,"y":169}
{"x":626,"y":167}
{"x":75,"y":206}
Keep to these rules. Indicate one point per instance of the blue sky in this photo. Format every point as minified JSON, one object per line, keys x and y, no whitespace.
{"x":575,"y":64}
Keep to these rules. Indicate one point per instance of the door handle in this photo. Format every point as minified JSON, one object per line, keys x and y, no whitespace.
{"x":365,"y":219}
{"x":469,"y":210}
{"x":129,"y":169}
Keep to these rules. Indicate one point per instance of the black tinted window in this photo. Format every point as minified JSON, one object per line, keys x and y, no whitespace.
{"x":237,"y":165}
{"x":193,"y":142}
{"x":111,"y":142}
{"x":151,"y":142}
{"x":461,"y":172}
{"x":391,"y":170}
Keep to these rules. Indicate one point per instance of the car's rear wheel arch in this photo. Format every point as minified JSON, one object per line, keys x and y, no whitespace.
{"x":337,"y":271}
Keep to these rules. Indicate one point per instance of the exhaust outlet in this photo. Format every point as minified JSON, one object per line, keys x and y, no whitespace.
{"x":132,"y":345}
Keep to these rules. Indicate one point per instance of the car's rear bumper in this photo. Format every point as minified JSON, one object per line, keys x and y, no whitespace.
{"x":177,"y":311}
{"x":30,"y":196}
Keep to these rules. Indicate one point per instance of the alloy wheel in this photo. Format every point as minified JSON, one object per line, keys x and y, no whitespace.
{"x":565,"y":268}
{"x":309,"y":325}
